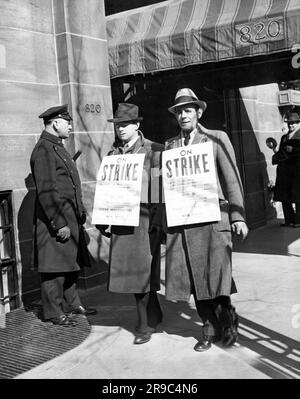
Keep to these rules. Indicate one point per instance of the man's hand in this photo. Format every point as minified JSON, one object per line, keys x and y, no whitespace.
{"x":102,"y":228}
{"x":64,"y":233}
{"x":240,"y":228}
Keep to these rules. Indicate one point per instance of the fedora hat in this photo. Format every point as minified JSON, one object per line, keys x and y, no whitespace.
{"x":126,"y":112}
{"x":184,"y":97}
{"x":292,"y":117}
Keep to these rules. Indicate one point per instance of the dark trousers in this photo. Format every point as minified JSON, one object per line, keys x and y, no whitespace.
{"x":291,"y":215}
{"x":59,"y":293}
{"x":148,"y":310}
{"x":215,"y":314}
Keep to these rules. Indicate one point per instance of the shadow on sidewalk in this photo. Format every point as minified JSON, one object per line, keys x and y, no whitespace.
{"x":272,"y":353}
{"x":27,"y":342}
{"x":179,"y":317}
{"x":270,"y":239}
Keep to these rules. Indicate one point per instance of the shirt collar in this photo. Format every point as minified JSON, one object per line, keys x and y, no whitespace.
{"x":131,"y":142}
{"x":191,"y":134}
{"x":294,"y":132}
{"x":140,"y":140}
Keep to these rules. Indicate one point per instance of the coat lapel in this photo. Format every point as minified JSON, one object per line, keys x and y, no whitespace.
{"x":200,"y":136}
{"x":173,"y":142}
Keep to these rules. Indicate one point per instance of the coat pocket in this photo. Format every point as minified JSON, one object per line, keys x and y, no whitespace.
{"x":224,"y":223}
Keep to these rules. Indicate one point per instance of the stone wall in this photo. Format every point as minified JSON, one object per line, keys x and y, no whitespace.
{"x":52,"y":52}
{"x":255,"y":116}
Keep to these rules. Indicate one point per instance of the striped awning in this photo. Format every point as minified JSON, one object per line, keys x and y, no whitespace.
{"x":177,"y":33}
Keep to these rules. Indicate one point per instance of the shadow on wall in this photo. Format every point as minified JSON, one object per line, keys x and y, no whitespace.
{"x":245,"y":129}
{"x":29,"y":277}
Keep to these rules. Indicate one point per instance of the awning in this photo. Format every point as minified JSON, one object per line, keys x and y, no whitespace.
{"x":177,"y":33}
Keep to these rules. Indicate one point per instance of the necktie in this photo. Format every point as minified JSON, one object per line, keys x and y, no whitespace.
{"x":186,"y":139}
{"x":123,"y":149}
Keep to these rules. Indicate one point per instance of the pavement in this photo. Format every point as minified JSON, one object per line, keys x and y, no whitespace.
{"x":266,"y":268}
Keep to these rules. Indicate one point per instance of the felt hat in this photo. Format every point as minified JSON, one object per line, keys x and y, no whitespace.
{"x":184,"y":97}
{"x":126,"y":112}
{"x":292,"y":117}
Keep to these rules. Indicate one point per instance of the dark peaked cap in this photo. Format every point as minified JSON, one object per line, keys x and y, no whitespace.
{"x":59,"y":111}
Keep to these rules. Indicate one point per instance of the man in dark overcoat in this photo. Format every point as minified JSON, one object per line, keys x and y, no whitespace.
{"x":59,"y":244}
{"x":287,"y":186}
{"x":198,"y":256}
{"x":134,"y":260}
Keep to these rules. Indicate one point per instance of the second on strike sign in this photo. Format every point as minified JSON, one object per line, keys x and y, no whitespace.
{"x":190,"y":185}
{"x":118,"y":190}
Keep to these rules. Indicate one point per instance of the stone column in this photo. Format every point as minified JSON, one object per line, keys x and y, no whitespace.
{"x":84,"y":81}
{"x":52,"y":52}
{"x":28,"y":85}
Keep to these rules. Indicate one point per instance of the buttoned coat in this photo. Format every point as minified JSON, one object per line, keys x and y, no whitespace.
{"x":287,"y":186}
{"x":58,"y":204}
{"x":134,"y":261}
{"x":198,"y":256}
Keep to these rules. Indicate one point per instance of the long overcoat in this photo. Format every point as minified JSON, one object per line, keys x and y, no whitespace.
{"x":134,"y":261}
{"x":58,"y":204}
{"x":287,"y":186}
{"x":198,"y":256}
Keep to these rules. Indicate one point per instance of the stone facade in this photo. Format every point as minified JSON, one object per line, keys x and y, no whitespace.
{"x":52,"y":52}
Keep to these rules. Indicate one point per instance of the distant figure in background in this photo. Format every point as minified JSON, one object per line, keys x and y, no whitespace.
{"x":59,"y":244}
{"x":287,"y":186}
{"x":134,"y":261}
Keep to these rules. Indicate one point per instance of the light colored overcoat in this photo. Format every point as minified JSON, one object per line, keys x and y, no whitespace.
{"x":198,"y":256}
{"x":134,"y":260}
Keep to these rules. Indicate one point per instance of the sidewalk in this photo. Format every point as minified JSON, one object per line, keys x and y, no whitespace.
{"x":266,"y":269}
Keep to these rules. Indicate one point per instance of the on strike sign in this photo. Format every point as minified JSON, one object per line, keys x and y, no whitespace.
{"x":190,"y":185}
{"x":118,"y":190}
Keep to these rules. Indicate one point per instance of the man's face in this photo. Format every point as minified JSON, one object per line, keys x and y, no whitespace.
{"x":63,"y":128}
{"x":187,"y":117}
{"x":293,"y":126}
{"x":127,"y":131}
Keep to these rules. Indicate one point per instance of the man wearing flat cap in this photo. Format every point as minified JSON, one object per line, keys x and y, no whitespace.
{"x":59,"y":245}
{"x":287,"y":186}
{"x":198,"y":256}
{"x":134,"y":259}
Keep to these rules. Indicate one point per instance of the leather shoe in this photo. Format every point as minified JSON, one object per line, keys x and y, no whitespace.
{"x":142,"y":338}
{"x":84,"y":311}
{"x":149,"y":329}
{"x":64,"y":321}
{"x":230,"y":336}
{"x":205,"y":343}
{"x":286,"y":225}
